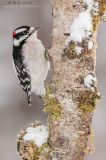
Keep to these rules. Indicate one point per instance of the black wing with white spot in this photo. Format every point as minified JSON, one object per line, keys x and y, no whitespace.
{"x":23,"y":74}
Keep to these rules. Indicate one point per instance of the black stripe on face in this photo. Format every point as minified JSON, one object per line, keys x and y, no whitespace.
{"x":18,"y":35}
{"x":25,"y":31}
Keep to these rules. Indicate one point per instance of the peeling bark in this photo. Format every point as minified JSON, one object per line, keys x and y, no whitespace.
{"x":73,"y":103}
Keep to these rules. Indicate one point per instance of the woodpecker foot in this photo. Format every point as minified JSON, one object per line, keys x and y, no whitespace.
{"x":48,"y":57}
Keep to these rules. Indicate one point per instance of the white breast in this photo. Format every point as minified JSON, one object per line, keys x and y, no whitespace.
{"x":37,"y":64}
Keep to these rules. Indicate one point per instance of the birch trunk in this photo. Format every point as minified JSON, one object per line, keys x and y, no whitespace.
{"x":69,"y":101}
{"x":68,"y":140}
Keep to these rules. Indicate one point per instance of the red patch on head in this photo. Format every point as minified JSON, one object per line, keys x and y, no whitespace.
{"x":13,"y":33}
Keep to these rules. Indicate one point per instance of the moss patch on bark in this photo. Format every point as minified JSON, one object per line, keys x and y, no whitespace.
{"x":52,"y":106}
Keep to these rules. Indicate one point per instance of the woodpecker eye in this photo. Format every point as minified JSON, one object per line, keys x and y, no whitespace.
{"x":25,"y":32}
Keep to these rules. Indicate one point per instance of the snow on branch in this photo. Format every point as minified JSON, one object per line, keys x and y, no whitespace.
{"x":32,"y":143}
{"x":38,"y":135}
{"x":82,"y":25}
{"x":89,"y":81}
{"x":83,"y":29}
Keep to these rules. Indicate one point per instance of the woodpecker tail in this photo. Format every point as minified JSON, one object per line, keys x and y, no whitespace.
{"x":29,"y":98}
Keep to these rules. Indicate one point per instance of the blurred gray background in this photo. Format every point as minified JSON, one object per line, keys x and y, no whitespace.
{"x":15,"y":114}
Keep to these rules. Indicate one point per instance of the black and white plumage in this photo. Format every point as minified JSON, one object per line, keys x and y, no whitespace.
{"x":30,"y":62}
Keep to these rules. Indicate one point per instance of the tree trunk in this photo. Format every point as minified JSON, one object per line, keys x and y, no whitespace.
{"x":71,"y":98}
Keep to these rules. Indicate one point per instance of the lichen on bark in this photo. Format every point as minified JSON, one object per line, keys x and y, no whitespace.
{"x":52,"y":106}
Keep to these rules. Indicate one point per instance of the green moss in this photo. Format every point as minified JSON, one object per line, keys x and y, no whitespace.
{"x":87,"y":101}
{"x":52,"y":106}
{"x":35,"y":151}
{"x":70,"y":51}
{"x":96,"y":18}
{"x":45,"y":150}
{"x":41,"y":153}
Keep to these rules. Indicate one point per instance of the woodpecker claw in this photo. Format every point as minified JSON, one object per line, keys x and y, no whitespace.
{"x":48,"y":57}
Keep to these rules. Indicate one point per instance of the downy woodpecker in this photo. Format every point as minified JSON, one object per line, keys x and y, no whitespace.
{"x":30,"y":60}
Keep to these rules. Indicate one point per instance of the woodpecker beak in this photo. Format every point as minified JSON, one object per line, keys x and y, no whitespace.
{"x":33,"y":29}
{"x":37,"y":28}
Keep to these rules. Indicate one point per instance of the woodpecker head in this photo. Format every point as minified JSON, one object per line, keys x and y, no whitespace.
{"x":23,"y":33}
